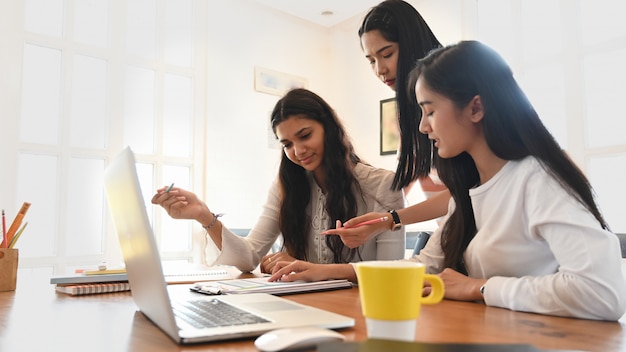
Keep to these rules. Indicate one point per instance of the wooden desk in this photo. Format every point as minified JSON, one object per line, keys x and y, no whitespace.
{"x":35,"y":318}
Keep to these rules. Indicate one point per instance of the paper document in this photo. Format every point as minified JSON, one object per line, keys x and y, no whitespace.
{"x":188,"y":277}
{"x":260,"y":284}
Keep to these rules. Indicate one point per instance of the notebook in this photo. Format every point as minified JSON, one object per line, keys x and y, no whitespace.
{"x":149,"y":289}
{"x":260,"y":284}
{"x":95,"y":288}
{"x":171,"y":277}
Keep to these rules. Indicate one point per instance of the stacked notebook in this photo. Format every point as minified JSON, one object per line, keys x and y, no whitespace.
{"x":88,"y":289}
{"x":81,"y":284}
{"x":89,"y":284}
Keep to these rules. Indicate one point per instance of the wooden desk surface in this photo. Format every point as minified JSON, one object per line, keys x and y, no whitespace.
{"x":36,"y":318}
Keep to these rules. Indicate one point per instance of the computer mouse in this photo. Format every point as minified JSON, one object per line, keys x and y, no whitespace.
{"x":295,"y":338}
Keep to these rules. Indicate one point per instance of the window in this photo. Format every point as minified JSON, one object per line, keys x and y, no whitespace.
{"x":96,"y":76}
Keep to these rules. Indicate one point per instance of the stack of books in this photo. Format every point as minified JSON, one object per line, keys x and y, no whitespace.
{"x":88,"y":289}
{"x":115,"y":280}
{"x":81,"y":284}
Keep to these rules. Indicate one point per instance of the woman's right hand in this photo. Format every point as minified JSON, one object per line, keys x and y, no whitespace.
{"x":307,"y":271}
{"x":269,"y":261}
{"x":181,"y":204}
{"x":353,"y":237}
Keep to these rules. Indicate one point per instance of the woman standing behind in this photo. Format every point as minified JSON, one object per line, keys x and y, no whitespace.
{"x":523,"y":231}
{"x":394,"y":36}
{"x":320,"y":179}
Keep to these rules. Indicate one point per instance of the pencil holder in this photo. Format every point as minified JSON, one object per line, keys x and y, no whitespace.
{"x":8,"y":269}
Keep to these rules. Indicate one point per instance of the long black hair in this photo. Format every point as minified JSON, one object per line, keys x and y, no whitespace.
{"x":399,"y":22}
{"x":338,"y":164}
{"x":512,"y":129}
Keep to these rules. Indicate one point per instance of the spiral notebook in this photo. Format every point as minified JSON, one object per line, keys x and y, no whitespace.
{"x":90,"y":289}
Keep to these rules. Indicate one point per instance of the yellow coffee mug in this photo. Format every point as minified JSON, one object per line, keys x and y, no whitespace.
{"x":392,"y":290}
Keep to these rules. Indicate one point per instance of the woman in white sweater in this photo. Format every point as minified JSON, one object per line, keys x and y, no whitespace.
{"x":523,"y":231}
{"x":320,"y":180}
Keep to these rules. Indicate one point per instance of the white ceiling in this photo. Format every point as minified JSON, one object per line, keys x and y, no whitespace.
{"x":311,"y":10}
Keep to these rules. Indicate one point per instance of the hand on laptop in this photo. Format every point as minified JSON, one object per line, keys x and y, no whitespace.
{"x":269,"y":261}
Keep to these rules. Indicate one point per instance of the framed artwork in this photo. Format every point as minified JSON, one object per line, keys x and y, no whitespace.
{"x":276,"y":83}
{"x":389,"y":131}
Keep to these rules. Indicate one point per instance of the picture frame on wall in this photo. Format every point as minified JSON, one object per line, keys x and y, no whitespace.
{"x":389,"y":131}
{"x":276,"y":83}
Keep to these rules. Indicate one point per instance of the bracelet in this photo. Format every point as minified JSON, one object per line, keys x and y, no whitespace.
{"x":215,"y":216}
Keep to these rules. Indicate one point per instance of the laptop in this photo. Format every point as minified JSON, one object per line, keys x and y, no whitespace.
{"x":262,"y":312}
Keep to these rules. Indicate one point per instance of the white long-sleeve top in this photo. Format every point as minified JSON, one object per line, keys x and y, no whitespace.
{"x":539,"y":248}
{"x":245,"y":253}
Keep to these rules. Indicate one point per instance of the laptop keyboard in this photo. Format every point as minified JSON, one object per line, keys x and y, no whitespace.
{"x":213,"y":313}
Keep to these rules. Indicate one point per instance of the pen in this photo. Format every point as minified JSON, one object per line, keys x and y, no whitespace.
{"x":368,"y":222}
{"x":17,"y":235}
{"x":16,"y":223}
{"x":208,"y":290}
{"x":4,"y":226}
{"x":104,"y":272}
{"x":169,"y":188}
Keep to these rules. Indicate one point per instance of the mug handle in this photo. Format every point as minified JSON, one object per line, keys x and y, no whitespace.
{"x":437,"y":291}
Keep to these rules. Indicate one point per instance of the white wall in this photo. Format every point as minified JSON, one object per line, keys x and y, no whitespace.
{"x":243,"y":34}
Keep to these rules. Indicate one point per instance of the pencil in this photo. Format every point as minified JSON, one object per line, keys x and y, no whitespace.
{"x":104,"y":272}
{"x":17,"y":235}
{"x":169,"y":188}
{"x":368,"y":222}
{"x":16,"y":222}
